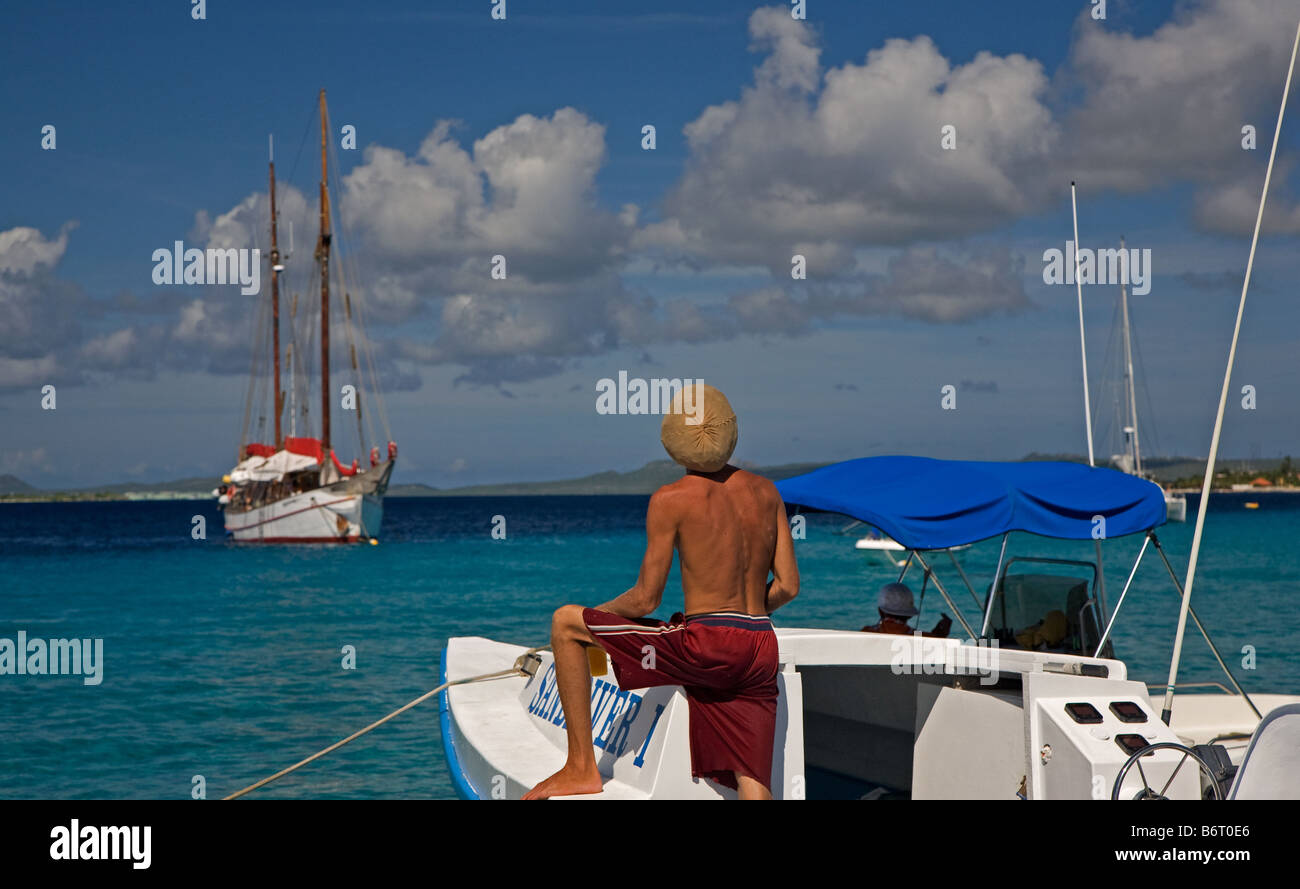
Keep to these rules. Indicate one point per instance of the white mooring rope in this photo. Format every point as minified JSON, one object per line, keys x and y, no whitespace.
{"x":519,"y":669}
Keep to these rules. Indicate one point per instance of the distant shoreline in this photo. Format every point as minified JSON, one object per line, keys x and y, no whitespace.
{"x":643,"y":481}
{"x":1270,"y":490}
{"x":437,"y":494}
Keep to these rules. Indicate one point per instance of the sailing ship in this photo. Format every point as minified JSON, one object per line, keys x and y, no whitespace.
{"x":294,"y":488}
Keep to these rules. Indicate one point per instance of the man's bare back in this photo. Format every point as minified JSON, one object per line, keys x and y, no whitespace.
{"x":727,"y":529}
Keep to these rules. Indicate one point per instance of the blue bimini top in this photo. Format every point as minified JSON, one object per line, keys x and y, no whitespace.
{"x":931,"y":504}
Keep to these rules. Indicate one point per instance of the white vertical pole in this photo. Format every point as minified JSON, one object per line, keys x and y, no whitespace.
{"x":1167,"y":711}
{"x":993,"y":591}
{"x":1128,"y":364}
{"x":1083,"y":349}
{"x":1124,"y":592}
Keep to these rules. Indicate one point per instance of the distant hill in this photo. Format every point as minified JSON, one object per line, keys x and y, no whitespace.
{"x":202,"y":485}
{"x":416,"y":490}
{"x":1035,"y":457}
{"x":639,"y":481}
{"x":15,"y":488}
{"x":11,"y":484}
{"x":645,"y":480}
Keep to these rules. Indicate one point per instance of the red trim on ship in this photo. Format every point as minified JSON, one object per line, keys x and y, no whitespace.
{"x":307,"y":447}
{"x":340,"y":467}
{"x":256,"y":449}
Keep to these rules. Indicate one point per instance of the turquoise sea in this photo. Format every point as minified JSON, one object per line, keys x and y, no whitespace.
{"x":225,"y":661}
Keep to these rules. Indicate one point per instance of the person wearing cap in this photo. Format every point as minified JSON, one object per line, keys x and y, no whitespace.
{"x":731,"y":535}
{"x":896,"y":609}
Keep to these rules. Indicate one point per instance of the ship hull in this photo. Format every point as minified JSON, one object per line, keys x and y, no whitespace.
{"x":348,"y":511}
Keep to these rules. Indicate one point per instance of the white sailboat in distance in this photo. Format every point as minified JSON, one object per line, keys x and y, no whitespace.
{"x":1131,"y":460}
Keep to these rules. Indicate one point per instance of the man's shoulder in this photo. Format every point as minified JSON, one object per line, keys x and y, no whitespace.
{"x":670,"y":489}
{"x":689,"y":486}
{"x":669,"y":495}
{"x":760,"y":483}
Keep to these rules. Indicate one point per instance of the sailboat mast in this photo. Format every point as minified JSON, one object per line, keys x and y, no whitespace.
{"x":1083,"y":347}
{"x":275,"y":303}
{"x":323,"y":255}
{"x":1128,"y":365}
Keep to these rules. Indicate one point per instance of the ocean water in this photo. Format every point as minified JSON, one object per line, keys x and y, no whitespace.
{"x":225,"y":661}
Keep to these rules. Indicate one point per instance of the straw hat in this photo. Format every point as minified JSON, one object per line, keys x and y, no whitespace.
{"x":699,"y":432}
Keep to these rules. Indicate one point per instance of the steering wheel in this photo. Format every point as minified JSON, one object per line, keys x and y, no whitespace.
{"x":1146,"y":792}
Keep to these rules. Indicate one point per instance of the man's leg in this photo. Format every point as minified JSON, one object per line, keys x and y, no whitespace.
{"x":748,"y":788}
{"x":569,"y":636}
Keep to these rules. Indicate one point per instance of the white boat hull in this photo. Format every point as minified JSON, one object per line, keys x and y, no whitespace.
{"x":503,"y":737}
{"x":311,"y":517}
{"x":889,"y":545}
{"x":885,"y":544}
{"x":343,"y":512}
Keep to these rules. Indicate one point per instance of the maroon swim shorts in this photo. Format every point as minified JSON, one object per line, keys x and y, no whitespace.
{"x":726,"y":661}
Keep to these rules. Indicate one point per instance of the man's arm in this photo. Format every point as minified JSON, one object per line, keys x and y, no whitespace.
{"x":661,"y":536}
{"x":784,"y":585}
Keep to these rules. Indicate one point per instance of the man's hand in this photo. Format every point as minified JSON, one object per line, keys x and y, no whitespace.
{"x":943,"y":626}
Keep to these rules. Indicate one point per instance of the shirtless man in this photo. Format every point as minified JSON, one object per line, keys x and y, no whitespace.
{"x":730,"y":531}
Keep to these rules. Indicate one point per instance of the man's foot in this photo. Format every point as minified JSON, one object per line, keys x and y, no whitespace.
{"x":568,"y":781}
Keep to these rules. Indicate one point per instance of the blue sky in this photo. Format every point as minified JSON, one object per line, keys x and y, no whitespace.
{"x":672,"y":262}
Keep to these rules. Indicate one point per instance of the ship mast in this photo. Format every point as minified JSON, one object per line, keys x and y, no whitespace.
{"x":1128,"y":372}
{"x":275,"y":303}
{"x":323,"y":256}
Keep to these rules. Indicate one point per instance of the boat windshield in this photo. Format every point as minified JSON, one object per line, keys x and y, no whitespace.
{"x":1047,"y":612}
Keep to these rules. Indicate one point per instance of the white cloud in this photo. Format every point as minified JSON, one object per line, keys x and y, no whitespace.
{"x":930,"y":286}
{"x":24,"y":249}
{"x":1232,"y":207}
{"x":21,"y":462}
{"x":792,"y":61}
{"x":525,"y":191}
{"x":16,"y":373}
{"x":1171,"y":105}
{"x":823,"y":163}
{"x":39,"y":314}
{"x":112,"y":350}
{"x":793,"y":168}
